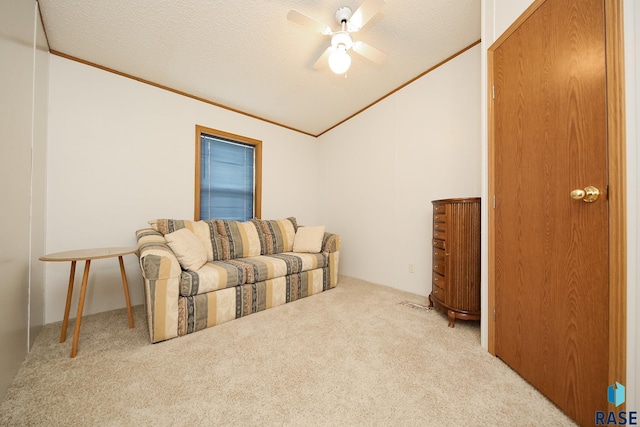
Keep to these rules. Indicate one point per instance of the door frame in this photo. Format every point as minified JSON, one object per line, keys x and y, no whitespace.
{"x":616,"y":151}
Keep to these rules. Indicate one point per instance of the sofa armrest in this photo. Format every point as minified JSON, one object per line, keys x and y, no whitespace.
{"x":152,"y":249}
{"x":161,"y":273}
{"x":331,"y":245}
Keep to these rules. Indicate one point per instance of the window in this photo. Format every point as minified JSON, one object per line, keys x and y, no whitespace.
{"x":228,"y":176}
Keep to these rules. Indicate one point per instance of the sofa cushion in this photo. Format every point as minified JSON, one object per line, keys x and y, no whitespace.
{"x":277,"y":265}
{"x":277,"y":235}
{"x":222,"y":274}
{"x":309,"y":239}
{"x":239,"y":239}
{"x":188,"y":248}
{"x":212,"y":276}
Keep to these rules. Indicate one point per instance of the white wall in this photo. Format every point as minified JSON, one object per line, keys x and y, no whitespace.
{"x":122,"y":152}
{"x":38,"y":180}
{"x":386,"y":165}
{"x":23,"y":90}
{"x":497,"y":16}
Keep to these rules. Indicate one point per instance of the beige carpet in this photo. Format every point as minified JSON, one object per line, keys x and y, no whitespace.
{"x":351,"y":356}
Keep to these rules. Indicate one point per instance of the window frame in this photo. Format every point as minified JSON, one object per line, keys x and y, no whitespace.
{"x":257,"y":161}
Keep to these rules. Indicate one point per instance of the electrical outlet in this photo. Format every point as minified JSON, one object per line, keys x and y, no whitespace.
{"x":412,"y":268}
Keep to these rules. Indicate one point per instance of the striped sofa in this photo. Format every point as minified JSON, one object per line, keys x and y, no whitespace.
{"x":250,"y":266}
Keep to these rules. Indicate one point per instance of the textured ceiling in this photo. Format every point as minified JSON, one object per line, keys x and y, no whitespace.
{"x":246,"y":55}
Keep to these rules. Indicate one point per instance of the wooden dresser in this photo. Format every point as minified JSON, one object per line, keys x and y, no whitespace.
{"x":456,"y":258}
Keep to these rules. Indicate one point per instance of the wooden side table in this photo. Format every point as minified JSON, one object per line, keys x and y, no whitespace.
{"x":87,"y":255}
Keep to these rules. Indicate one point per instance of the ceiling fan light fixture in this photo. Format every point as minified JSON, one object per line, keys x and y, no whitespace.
{"x":341,"y":38}
{"x":337,"y":55}
{"x":339,"y":60}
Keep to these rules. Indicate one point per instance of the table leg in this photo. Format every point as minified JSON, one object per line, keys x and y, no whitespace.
{"x":83,"y":291}
{"x":126,"y":291}
{"x":67,"y":307}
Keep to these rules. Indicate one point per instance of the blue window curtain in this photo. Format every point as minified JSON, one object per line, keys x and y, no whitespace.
{"x":226,"y":179}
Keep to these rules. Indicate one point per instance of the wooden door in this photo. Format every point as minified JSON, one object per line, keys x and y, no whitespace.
{"x":551,"y":255}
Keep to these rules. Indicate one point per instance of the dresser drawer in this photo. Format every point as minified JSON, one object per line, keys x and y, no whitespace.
{"x":439,"y":267}
{"x":439,"y":280}
{"x":440,"y":226}
{"x":438,"y":253}
{"x":439,"y":234}
{"x":440,"y":244}
{"x":439,"y":209}
{"x":439,"y":218}
{"x":439,"y":293}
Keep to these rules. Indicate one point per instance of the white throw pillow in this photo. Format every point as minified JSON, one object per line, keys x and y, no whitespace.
{"x":308,"y":239}
{"x":190,"y":251}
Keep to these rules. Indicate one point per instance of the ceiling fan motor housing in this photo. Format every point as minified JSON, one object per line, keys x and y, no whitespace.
{"x":343,"y":14}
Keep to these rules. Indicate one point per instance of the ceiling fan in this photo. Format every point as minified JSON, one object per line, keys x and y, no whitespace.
{"x":341,"y":42}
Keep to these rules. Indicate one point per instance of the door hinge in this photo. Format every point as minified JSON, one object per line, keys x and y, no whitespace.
{"x":494,"y":313}
{"x":493,"y":92}
{"x":494,"y":201}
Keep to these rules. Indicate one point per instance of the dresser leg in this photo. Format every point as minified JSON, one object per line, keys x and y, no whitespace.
{"x":430,"y":301}
{"x":452,"y":319}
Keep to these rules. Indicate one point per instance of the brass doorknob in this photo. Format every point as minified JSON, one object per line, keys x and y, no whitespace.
{"x":589,"y":194}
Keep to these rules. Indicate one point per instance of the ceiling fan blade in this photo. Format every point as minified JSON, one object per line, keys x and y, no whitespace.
{"x":367,"y":10}
{"x":369,"y":52}
{"x":323,"y":62}
{"x":308,"y":22}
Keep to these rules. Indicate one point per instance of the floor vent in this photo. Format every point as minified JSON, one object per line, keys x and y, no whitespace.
{"x":415,"y":305}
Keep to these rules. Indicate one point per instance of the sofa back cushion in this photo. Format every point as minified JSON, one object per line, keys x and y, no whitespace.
{"x":277,"y":235}
{"x":228,"y":239}
{"x":239,"y":239}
